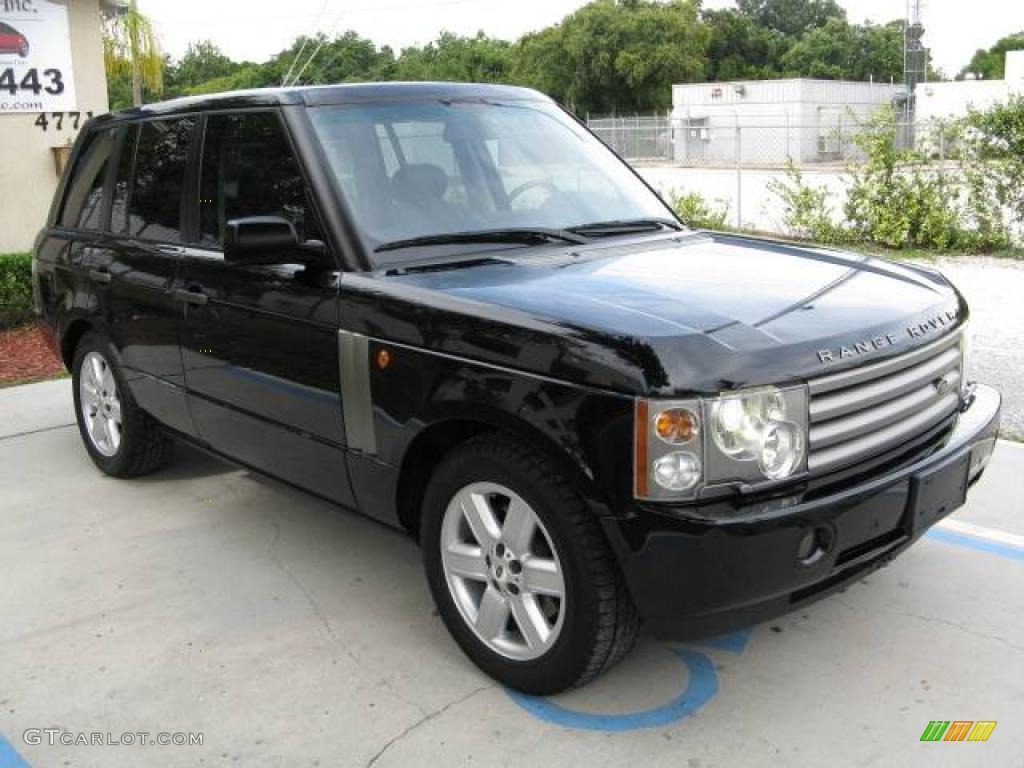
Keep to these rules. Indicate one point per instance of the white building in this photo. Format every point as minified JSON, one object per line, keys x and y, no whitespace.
{"x":946,"y":101}
{"x":51,"y":80}
{"x":769,"y":121}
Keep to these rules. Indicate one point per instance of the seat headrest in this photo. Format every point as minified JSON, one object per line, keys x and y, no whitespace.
{"x":419,"y":183}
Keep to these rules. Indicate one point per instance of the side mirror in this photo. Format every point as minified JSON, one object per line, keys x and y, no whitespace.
{"x":263,"y":240}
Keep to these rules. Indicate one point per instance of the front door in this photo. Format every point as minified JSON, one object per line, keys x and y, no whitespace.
{"x":261,"y":343}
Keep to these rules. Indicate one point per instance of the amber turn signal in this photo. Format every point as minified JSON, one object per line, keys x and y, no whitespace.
{"x":676,"y":425}
{"x":383,"y":359}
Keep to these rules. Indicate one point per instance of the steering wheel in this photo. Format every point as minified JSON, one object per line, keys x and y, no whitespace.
{"x":526,"y":186}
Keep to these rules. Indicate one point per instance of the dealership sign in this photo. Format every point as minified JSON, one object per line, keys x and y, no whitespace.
{"x":35,"y":57}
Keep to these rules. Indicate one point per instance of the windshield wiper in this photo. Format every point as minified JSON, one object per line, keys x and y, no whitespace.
{"x":443,"y":264}
{"x":625,"y":226}
{"x":516,"y":235}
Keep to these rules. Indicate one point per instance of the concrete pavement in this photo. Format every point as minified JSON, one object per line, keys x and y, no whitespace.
{"x":287,"y":632}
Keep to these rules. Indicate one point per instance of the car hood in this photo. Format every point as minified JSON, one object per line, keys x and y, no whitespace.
{"x":718,"y":311}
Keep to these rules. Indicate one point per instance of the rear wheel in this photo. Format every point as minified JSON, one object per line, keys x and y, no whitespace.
{"x":519,"y":569}
{"x":121,"y":439}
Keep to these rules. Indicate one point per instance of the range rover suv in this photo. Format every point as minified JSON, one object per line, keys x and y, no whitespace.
{"x":451,"y":308}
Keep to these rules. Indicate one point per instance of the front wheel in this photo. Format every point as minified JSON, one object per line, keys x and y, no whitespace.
{"x":519,"y":569}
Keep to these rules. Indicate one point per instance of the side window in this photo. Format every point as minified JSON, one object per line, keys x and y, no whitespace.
{"x":248,"y":170}
{"x":154,"y":204}
{"x":84,"y":202}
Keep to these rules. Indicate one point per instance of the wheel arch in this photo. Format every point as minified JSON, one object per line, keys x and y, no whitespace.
{"x":426,"y":450}
{"x":72,"y":334}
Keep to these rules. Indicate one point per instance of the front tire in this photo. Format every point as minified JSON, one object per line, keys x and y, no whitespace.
{"x":121,"y":439}
{"x":519,"y":569}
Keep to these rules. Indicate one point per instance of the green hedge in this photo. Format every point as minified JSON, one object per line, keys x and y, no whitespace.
{"x":15,"y":288}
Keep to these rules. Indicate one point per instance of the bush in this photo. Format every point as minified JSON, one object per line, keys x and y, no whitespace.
{"x":697,"y":212}
{"x":15,"y":288}
{"x":994,"y":159}
{"x":807,"y":210}
{"x":900,"y":198}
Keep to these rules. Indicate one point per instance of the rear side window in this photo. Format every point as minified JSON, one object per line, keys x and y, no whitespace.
{"x":154,"y":203}
{"x":83,"y":205}
{"x":248,"y":170}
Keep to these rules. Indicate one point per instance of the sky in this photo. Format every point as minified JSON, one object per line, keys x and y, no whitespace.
{"x":254,"y":30}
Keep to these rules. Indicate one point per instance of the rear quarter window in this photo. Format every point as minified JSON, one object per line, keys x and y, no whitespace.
{"x":83,"y":203}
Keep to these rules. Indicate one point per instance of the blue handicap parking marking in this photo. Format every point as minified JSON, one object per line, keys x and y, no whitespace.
{"x":701,"y":687}
{"x":981,"y":545}
{"x":9,"y":757}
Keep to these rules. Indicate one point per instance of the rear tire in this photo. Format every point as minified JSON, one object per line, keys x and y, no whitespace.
{"x":489,"y":586}
{"x":121,"y":439}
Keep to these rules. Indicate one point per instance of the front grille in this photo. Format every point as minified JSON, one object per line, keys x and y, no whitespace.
{"x":868,"y":410}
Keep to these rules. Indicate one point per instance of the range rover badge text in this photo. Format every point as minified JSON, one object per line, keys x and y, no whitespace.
{"x":866,"y":346}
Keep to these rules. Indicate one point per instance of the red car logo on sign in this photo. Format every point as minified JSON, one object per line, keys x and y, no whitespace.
{"x":12,"y":41}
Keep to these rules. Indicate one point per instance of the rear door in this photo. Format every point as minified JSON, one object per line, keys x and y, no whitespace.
{"x":138,"y":260}
{"x":261,"y":343}
{"x":122,"y":213}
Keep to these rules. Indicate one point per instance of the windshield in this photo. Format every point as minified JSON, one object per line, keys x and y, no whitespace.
{"x":415,"y":169}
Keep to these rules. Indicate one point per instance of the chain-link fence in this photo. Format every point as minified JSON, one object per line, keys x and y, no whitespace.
{"x":761,"y":141}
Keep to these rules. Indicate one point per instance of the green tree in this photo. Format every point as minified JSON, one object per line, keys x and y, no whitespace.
{"x":450,"y":57}
{"x":349,"y":58}
{"x":615,"y":56}
{"x":131,"y":47}
{"x":792,"y":17}
{"x":991,"y":64}
{"x":839,"y":50}
{"x":203,"y":61}
{"x":740,"y":49}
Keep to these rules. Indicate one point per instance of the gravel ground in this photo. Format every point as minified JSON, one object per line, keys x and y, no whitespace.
{"x":995,"y":291}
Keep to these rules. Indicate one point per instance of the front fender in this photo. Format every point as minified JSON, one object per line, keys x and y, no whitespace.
{"x":585,"y":431}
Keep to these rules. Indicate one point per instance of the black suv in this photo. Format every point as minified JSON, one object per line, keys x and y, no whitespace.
{"x":451,"y":308}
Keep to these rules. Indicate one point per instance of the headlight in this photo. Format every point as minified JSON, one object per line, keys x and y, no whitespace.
{"x":748,"y":437}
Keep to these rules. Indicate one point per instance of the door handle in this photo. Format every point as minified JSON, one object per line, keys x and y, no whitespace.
{"x":192,"y":295}
{"x":99,"y":276}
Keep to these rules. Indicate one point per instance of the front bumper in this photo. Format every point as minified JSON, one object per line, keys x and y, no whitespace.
{"x":693,"y":573}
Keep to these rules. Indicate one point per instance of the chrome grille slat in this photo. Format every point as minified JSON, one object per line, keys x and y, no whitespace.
{"x":900,"y":432}
{"x":877,"y":391}
{"x":866,"y":411}
{"x":837,"y":430}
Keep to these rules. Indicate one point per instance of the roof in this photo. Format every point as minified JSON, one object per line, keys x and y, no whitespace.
{"x":320,"y":95}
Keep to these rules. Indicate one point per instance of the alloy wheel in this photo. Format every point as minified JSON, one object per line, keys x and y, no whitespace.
{"x":100,"y":404}
{"x":503,"y":571}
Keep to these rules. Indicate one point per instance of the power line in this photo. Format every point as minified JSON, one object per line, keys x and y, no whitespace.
{"x":333,"y":28}
{"x":302,"y":47}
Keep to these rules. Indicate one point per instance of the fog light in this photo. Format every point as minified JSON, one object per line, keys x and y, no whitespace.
{"x":678,"y":471}
{"x":814,"y":545}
